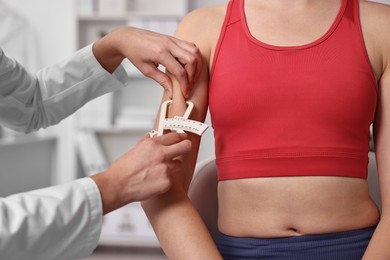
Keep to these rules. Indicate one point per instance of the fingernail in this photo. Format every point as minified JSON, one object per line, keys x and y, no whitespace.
{"x":187,"y":94}
{"x":169,"y":92}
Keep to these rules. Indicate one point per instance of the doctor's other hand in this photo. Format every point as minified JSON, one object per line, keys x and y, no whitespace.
{"x":147,"y":50}
{"x":142,"y":172}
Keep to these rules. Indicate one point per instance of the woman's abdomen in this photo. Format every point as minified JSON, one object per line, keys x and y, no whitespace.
{"x":293,"y":206}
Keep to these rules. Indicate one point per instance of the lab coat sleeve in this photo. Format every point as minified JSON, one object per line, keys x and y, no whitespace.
{"x":57,"y":223}
{"x":29,"y":102}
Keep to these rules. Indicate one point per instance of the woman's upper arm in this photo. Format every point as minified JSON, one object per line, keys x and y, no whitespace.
{"x":382,"y":121}
{"x":378,"y":248}
{"x":382,"y":139}
{"x":191,"y":30}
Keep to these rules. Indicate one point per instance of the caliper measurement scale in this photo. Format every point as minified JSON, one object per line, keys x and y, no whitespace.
{"x":179,"y":124}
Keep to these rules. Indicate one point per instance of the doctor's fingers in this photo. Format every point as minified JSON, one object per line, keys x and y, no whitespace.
{"x":174,"y":144}
{"x":175,"y":150}
{"x":155,"y":179}
{"x":183,"y":60}
{"x":170,"y":138}
{"x":191,"y":59}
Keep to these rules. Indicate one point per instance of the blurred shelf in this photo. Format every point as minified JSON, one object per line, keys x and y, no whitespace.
{"x":25,"y":139}
{"x":126,"y":241}
{"x":117,"y":129}
{"x":128,"y":226}
{"x":101,"y":17}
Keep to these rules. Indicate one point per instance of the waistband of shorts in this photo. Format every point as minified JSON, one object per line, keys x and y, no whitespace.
{"x":304,"y":238}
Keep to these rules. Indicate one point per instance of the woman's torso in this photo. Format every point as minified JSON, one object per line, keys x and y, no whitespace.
{"x":288,"y":206}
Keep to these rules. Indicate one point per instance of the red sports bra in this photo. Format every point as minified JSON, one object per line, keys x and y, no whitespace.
{"x":292,"y":111}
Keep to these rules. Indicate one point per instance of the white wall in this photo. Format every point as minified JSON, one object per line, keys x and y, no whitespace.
{"x":54,"y":23}
{"x":55,"y":26}
{"x":382,"y":1}
{"x":200,"y":3}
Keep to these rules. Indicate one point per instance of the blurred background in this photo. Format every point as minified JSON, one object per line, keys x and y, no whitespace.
{"x":43,"y":32}
{"x":40,"y":33}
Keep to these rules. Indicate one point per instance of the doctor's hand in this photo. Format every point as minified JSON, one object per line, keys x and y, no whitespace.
{"x":143,"y":172}
{"x":147,"y":50}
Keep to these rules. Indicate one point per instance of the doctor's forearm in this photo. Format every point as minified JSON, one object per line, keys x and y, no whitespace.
{"x":108,"y":52}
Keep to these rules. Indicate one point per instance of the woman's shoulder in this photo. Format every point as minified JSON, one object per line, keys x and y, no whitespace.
{"x":374,"y":14}
{"x":210,"y":12}
{"x":204,"y":21}
{"x":203,"y":26}
{"x":375,"y":23}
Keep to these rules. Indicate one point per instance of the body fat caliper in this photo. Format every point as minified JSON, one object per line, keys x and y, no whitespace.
{"x":179,"y":124}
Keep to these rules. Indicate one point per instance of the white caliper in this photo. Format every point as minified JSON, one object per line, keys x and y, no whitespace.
{"x":179,"y":124}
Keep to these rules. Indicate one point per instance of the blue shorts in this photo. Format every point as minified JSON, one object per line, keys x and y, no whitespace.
{"x":348,"y":245}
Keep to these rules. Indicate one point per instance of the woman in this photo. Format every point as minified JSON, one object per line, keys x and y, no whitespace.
{"x":293,"y":87}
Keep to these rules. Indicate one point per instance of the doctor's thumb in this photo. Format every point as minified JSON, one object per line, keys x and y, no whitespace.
{"x":162,"y":79}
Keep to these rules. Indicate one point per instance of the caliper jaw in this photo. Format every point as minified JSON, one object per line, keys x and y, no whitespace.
{"x":179,"y":124}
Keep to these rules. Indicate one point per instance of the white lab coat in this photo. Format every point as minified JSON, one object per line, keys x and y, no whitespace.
{"x":59,"y":222}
